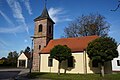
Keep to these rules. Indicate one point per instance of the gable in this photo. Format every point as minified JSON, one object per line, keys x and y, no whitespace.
{"x":22,"y":56}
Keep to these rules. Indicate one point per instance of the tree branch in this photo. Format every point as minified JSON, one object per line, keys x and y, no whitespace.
{"x":116,"y":7}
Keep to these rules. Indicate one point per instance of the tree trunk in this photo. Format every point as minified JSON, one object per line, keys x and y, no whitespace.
{"x":59,"y":68}
{"x":65,"y":71}
{"x":102,"y":69}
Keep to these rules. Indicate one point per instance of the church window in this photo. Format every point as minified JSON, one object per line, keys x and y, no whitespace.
{"x":50,"y":62}
{"x":94,"y":63}
{"x":39,"y":47}
{"x":50,"y":29}
{"x":118,"y":62}
{"x":40,"y":28}
{"x":70,"y":61}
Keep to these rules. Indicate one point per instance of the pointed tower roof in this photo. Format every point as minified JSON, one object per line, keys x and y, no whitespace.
{"x":44,"y":15}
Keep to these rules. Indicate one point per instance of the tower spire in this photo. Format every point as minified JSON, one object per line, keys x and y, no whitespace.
{"x":45,"y":14}
{"x":45,"y":3}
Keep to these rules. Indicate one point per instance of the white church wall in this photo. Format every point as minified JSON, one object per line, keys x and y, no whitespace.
{"x":116,"y":61}
{"x":79,"y":65}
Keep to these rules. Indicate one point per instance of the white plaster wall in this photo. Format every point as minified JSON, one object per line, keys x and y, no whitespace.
{"x":91,"y":69}
{"x":114,"y":61}
{"x":23,"y":57}
{"x":78,"y":58}
{"x":78,"y":64}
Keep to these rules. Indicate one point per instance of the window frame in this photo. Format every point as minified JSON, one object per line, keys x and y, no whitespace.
{"x":40,"y":28}
{"x":39,"y":47}
{"x":95,"y":64}
{"x":50,"y":62}
{"x":50,"y":29}
{"x":118,"y":62}
{"x":70,"y":62}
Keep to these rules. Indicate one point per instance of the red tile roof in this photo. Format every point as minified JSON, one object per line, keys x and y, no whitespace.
{"x":27,"y":55}
{"x":75,"y":44}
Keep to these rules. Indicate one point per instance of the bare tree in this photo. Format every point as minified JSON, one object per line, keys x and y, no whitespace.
{"x":86,"y":25}
{"x":117,"y":7}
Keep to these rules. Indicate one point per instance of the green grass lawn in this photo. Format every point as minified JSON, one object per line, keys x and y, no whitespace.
{"x":54,"y":76}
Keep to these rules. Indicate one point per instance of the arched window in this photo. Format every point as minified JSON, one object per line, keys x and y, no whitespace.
{"x":118,"y":62}
{"x":39,"y":47}
{"x":50,"y":29}
{"x":70,"y":61}
{"x":50,"y":62}
{"x":40,"y":28}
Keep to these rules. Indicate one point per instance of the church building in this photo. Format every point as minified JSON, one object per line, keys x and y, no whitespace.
{"x":44,"y":42}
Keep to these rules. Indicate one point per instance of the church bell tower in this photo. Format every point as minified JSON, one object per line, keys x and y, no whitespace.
{"x":43,"y":33}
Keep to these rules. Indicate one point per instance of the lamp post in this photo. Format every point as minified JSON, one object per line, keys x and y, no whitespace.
{"x":31,"y":56}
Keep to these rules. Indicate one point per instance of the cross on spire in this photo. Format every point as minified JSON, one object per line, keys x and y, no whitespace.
{"x":45,"y":2}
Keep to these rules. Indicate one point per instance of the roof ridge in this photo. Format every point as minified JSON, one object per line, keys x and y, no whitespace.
{"x":76,"y":37}
{"x":75,"y":44}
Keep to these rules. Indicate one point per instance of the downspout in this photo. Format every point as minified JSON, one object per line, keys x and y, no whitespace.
{"x":31,"y":56}
{"x":85,"y":62}
{"x":26,"y":62}
{"x":39,"y":61}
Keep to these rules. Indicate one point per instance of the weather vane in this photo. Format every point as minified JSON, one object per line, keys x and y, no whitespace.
{"x":45,"y":2}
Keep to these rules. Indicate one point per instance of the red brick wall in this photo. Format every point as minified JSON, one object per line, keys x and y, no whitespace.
{"x":43,"y":38}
